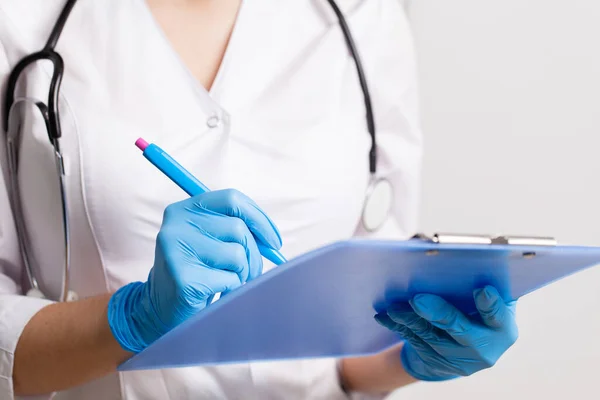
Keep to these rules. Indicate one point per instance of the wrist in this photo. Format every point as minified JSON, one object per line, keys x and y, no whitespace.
{"x":377,"y":374}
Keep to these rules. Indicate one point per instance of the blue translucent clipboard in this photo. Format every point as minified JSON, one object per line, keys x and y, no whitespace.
{"x":322,"y":304}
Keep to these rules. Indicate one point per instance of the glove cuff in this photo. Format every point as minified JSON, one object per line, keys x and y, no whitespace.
{"x":120,"y":317}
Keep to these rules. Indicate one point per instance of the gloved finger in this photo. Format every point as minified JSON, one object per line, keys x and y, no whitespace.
{"x":213,"y":253}
{"x":207,"y":283}
{"x":235,"y":204}
{"x":384,"y":320}
{"x":494,"y":312}
{"x":404,"y":314}
{"x":444,"y":316}
{"x":418,"y":357}
{"x":233,"y":230}
{"x":406,"y":334}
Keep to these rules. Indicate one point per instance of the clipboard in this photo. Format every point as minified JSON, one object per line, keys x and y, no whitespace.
{"x":321,"y":304}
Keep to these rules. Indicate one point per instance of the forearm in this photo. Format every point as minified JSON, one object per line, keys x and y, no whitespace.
{"x":65,"y":345}
{"x":381,"y":373}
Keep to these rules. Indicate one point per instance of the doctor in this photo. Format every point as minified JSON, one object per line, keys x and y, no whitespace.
{"x":261,"y":96}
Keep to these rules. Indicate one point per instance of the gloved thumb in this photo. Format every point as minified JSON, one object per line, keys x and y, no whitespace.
{"x":492,"y":308}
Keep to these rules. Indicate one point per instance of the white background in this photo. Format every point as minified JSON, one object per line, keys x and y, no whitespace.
{"x":511,"y":116}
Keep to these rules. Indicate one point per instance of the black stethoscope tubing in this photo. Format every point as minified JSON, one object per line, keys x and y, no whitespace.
{"x":379,"y":189}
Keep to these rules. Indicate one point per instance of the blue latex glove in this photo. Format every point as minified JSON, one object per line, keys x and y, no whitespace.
{"x":206,"y":245}
{"x":442,"y":343}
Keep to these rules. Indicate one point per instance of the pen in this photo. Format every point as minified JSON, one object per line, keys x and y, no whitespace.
{"x":191,"y":185}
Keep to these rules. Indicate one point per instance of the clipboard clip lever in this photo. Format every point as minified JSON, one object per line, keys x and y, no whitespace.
{"x":453,"y":238}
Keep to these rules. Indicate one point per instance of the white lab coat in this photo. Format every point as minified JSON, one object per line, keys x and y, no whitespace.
{"x":284,"y":123}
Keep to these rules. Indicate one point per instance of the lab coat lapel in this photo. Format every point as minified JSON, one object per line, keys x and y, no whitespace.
{"x":268,"y":41}
{"x":248,"y":61}
{"x":262,"y":45}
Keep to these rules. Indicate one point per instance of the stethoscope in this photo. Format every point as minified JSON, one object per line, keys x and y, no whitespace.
{"x":376,"y":207}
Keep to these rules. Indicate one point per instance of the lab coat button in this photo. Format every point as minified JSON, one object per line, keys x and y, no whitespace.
{"x":213,"y":122}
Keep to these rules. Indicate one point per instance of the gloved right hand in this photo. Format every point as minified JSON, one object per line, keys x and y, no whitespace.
{"x":206,"y":245}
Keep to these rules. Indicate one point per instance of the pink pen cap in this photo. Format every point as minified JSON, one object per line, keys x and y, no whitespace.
{"x":141,"y":144}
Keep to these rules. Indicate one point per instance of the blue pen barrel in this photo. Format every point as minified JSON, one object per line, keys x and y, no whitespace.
{"x":171,"y":168}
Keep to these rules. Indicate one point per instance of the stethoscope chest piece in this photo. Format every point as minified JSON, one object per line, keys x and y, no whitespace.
{"x":378,"y":204}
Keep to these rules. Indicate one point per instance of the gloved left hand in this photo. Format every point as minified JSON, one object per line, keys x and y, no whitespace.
{"x":442,"y":343}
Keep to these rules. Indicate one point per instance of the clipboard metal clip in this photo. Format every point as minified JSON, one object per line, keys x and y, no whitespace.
{"x":453,"y":238}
